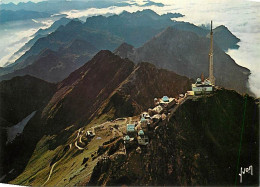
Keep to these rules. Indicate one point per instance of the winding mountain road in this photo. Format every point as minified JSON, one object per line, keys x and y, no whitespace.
{"x":78,"y":147}
{"x":50,"y":173}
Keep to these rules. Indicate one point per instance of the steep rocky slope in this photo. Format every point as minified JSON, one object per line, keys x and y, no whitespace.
{"x":197,"y":145}
{"x":187,"y":54}
{"x":137,"y":92}
{"x":109,"y":84}
{"x":82,"y":93}
{"x":104,"y":88}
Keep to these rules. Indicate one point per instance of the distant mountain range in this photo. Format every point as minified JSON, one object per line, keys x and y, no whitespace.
{"x":40,"y":34}
{"x":61,"y":38}
{"x":43,"y":32}
{"x":187,"y":54}
{"x":54,"y":66}
{"x":108,"y":33}
{"x":8,"y":15}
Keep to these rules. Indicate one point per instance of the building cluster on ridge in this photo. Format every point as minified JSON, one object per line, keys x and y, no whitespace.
{"x":139,"y":130}
{"x":150,"y":119}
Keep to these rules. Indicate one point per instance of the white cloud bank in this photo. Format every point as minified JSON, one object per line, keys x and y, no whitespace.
{"x":13,"y":37}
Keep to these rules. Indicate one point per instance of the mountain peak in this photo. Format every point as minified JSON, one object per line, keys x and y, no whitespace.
{"x":221,"y":27}
{"x":89,"y":86}
{"x":230,"y":39}
{"x":140,"y":12}
{"x":123,"y":50}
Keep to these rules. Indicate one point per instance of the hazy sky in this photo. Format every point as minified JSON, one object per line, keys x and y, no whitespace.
{"x":17,"y":1}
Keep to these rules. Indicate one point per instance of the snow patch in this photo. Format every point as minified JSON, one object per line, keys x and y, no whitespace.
{"x":17,"y":129}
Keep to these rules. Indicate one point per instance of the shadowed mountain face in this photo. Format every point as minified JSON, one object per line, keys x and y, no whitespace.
{"x":109,"y":84}
{"x":187,"y":54}
{"x":137,"y":92}
{"x":20,"y":96}
{"x":82,"y":93}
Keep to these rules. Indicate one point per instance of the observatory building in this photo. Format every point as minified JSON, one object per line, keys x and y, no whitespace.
{"x":206,"y":86}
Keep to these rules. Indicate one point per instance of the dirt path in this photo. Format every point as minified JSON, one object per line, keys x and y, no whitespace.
{"x":50,"y":173}
{"x":80,"y":141}
{"x":78,"y":134}
{"x":76,"y":145}
{"x":80,"y":148}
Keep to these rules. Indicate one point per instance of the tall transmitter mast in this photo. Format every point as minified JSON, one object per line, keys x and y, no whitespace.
{"x":211,"y":75}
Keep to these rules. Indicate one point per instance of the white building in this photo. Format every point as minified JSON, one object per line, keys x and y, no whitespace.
{"x":142,"y":139}
{"x":130,"y":128}
{"x":202,"y":87}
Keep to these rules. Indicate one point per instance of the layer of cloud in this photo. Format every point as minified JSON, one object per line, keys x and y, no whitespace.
{"x":13,"y":38}
{"x":104,"y":11}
